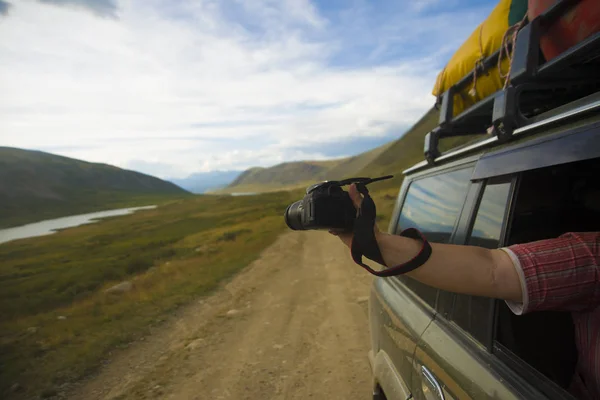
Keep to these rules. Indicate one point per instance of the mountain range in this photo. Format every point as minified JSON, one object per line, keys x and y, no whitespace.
{"x":300,"y":173}
{"x":389,"y":159}
{"x":202,"y":182}
{"x":35,"y":186}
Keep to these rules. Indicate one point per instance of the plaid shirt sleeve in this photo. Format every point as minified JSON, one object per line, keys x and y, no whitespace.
{"x":560,"y":274}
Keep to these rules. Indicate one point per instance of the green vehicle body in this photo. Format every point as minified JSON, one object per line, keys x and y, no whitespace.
{"x":418,"y":349}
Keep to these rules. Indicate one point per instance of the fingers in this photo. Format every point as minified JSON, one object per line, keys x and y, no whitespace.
{"x":355,"y":196}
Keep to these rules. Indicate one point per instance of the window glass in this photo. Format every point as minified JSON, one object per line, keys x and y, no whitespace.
{"x":473,"y":313}
{"x":433,"y":205}
{"x":490,"y":215}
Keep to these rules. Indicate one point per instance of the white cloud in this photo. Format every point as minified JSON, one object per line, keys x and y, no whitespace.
{"x":195,"y":85}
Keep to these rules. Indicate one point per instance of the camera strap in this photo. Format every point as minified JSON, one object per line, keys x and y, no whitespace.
{"x":365,"y":244}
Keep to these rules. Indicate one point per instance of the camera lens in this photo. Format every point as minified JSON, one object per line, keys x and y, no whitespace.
{"x":293,"y":216}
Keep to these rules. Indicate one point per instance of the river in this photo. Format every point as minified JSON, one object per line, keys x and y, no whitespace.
{"x":50,"y":226}
{"x":243,"y":193}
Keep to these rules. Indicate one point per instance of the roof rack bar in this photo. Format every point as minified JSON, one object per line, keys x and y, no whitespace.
{"x":559,"y":118}
{"x":527,"y":48}
{"x":487,"y":63}
{"x":467,"y":149}
{"x":563,"y":60}
{"x":415,"y":167}
{"x":581,"y":110}
{"x":447,"y":103}
{"x":526,"y":54}
{"x":557,"y":10}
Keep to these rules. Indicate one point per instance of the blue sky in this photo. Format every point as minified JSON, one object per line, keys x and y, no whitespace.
{"x":173,"y":87}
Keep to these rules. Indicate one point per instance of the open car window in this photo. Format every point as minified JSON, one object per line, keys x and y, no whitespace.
{"x":549,"y":202}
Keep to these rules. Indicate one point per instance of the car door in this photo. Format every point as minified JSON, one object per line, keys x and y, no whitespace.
{"x":454,"y":357}
{"x":398,"y":317}
{"x":448,"y":363}
{"x":402,"y":308}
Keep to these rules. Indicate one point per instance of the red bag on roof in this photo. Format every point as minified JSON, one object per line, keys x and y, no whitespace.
{"x":576,"y":25}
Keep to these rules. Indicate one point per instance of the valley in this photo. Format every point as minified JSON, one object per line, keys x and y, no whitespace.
{"x":86,"y":297}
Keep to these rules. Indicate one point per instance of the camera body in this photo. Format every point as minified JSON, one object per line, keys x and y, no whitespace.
{"x":325,"y":206}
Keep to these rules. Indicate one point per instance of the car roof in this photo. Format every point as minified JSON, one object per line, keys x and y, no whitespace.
{"x":571,"y":133}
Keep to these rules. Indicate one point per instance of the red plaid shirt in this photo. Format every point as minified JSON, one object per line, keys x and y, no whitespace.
{"x":563,"y":274}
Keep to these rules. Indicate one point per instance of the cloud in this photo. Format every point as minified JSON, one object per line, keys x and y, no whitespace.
{"x":162,"y":170}
{"x":348,"y":146}
{"x":103,"y":8}
{"x":192,"y":85}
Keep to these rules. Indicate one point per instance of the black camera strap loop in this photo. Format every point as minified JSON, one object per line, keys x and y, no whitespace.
{"x":365,"y":244}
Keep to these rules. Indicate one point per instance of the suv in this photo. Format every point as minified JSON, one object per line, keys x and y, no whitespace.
{"x":537,"y":177}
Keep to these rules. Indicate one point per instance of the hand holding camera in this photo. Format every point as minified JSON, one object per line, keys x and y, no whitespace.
{"x":351,"y":216}
{"x":357,"y":198}
{"x":327,"y":206}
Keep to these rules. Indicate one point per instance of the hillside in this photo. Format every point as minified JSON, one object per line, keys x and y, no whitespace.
{"x":301,"y":173}
{"x":284,"y":174}
{"x":35,"y":185}
{"x":408,"y":150}
{"x":391,"y":158}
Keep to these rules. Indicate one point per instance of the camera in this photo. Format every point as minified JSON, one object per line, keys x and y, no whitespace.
{"x":325,"y":206}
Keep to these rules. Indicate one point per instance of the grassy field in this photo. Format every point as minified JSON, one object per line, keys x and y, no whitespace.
{"x":27,"y":210}
{"x":57,"y":321}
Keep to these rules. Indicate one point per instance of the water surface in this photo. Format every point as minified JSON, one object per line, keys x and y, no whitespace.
{"x":50,"y":226}
{"x":243,"y":193}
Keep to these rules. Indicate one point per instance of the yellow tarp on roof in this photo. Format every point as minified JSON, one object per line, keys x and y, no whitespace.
{"x":483,"y":42}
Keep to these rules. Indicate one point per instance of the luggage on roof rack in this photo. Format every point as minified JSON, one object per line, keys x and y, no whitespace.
{"x":535,"y":85}
{"x":486,"y":39}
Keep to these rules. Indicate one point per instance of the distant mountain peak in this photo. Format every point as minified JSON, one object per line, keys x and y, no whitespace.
{"x":391,"y":158}
{"x":200,"y":182}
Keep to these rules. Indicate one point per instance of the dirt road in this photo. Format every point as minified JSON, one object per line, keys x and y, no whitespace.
{"x":293,"y":325}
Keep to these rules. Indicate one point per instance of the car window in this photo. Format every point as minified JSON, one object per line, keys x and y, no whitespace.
{"x":433,"y":205}
{"x":549,"y":202}
{"x":490,"y":215}
{"x":473,"y":313}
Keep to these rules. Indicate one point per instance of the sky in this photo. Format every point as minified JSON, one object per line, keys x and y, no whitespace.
{"x":175,"y":87}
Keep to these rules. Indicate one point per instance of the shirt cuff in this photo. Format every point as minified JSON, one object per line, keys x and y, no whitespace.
{"x":518,"y":308}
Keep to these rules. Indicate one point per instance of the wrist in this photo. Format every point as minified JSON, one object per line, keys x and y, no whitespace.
{"x":397,"y":249}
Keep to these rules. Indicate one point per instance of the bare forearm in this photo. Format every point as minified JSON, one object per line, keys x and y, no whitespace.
{"x":461,"y":269}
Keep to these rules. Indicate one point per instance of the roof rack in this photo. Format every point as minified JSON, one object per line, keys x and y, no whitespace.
{"x":535,"y":86}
